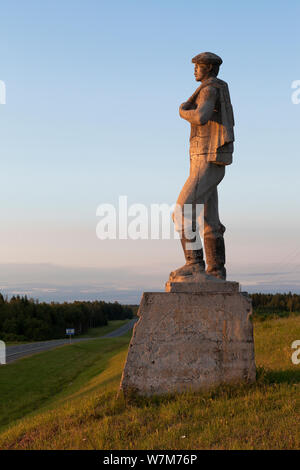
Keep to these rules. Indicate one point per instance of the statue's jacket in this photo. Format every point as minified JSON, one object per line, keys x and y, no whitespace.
{"x":215,"y":138}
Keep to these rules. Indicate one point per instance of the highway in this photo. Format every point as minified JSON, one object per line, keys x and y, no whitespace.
{"x":14,"y":353}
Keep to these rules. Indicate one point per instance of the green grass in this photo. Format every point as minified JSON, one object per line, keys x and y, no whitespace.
{"x":73,"y":405}
{"x":103,"y":330}
{"x":33,"y":382}
{"x":261,"y":314}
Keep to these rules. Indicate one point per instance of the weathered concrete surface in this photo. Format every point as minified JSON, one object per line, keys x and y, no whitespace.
{"x":189,"y":341}
{"x":216,"y":286}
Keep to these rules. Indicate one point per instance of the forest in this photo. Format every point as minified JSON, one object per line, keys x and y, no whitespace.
{"x":275,"y":305}
{"x":23,"y":319}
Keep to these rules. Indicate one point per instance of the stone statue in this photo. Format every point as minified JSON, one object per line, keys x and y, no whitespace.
{"x":210,"y":114}
{"x":198,"y":333}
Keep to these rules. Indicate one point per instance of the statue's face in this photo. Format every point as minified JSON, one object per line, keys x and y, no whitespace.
{"x":201,"y":72}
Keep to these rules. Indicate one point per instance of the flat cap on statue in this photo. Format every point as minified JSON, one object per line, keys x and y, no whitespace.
{"x":207,"y":58}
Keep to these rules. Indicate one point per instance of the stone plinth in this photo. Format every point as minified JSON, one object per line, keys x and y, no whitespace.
{"x":190,"y":341}
{"x":199,"y":281}
{"x":209,"y":286}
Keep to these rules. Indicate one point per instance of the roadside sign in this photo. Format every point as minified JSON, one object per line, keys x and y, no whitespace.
{"x":70,"y":331}
{"x":2,"y":352}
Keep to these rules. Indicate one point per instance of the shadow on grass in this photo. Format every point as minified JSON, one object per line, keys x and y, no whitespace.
{"x":219,"y":392}
{"x":264,"y":378}
{"x":288,"y":376}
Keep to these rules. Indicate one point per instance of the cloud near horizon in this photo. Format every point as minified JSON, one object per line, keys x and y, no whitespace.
{"x":50,"y":282}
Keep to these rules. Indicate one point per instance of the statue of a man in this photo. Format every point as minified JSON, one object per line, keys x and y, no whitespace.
{"x":210,"y":114}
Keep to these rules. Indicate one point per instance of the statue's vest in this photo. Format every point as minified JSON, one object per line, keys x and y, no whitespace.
{"x":215,"y":138}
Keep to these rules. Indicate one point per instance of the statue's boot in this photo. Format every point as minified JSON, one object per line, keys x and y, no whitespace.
{"x":215,"y":257}
{"x":194,"y":262}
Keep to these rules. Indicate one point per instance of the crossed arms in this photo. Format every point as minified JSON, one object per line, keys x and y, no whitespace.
{"x":204,"y":108}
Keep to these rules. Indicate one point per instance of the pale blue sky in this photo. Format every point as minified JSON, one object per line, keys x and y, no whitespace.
{"x":93,"y":90}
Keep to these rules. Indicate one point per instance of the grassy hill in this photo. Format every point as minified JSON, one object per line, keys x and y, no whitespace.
{"x":66,"y":399}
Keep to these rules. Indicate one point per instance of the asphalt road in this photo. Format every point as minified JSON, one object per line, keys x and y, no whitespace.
{"x":122,"y":330}
{"x":14,"y":353}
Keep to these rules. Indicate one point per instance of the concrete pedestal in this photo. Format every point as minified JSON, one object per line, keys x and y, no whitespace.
{"x":190,"y":341}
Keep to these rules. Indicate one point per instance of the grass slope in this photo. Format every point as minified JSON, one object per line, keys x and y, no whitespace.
{"x":103,"y":330}
{"x":77,"y":408}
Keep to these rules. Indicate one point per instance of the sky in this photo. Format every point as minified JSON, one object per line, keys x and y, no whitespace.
{"x":91,"y":114}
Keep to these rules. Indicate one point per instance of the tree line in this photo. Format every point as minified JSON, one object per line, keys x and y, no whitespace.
{"x":266,"y":305}
{"x":23,"y":319}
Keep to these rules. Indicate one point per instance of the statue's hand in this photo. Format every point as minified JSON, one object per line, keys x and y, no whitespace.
{"x":185,"y":106}
{"x":185,"y":109}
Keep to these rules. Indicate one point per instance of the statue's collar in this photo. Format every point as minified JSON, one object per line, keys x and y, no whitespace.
{"x":209,"y":80}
